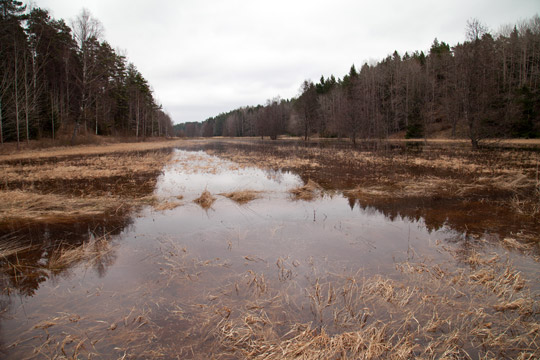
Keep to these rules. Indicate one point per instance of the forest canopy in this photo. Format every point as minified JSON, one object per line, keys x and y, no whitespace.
{"x":486,"y":87}
{"x":56,"y":78}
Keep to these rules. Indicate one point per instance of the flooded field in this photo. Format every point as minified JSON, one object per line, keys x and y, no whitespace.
{"x":277,"y":252}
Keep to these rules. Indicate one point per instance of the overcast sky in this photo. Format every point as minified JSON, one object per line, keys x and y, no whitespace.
{"x":207,"y":57}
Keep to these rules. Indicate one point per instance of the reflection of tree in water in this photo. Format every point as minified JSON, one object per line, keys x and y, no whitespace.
{"x":53,"y":251}
{"x":470,"y":219}
{"x":105,"y":258}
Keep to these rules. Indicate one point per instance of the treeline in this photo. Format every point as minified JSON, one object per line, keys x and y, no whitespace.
{"x":488,"y":86}
{"x":56,"y":78}
{"x":270,"y":120}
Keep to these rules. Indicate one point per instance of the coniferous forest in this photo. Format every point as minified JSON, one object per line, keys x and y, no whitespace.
{"x":486,"y":87}
{"x":56,"y":78}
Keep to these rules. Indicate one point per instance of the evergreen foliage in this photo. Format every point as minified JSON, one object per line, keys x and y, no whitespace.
{"x":55,"y":79}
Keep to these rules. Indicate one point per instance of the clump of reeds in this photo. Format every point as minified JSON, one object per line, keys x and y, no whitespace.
{"x":242,"y":196}
{"x":307,"y":192}
{"x":206,"y":200}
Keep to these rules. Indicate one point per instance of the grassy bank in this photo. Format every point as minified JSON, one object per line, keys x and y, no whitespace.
{"x":64,"y":184}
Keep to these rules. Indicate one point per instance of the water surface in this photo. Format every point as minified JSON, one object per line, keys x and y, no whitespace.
{"x":165,"y":280}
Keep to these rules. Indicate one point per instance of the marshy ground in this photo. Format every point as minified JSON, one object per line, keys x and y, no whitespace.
{"x":274,"y":250}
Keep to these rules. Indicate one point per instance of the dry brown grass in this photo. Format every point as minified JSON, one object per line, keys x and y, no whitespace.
{"x":29,"y":206}
{"x":90,"y":150}
{"x":206,"y":200}
{"x":26,"y":206}
{"x":424,"y":310}
{"x":307,"y":192}
{"x":166,"y":205}
{"x":504,"y":176}
{"x":432,"y":312}
{"x":8,"y":247}
{"x":242,"y":196}
{"x":92,"y":167}
{"x":58,"y":185}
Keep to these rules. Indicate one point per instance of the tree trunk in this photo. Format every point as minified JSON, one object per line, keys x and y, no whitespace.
{"x":96,"y":116}
{"x":1,"y":125}
{"x":472,"y":130}
{"x":35,"y":70}
{"x":305,"y":126}
{"x":16,"y":97}
{"x":75,"y":130}
{"x":26,"y":103}
{"x":137,"y":118}
{"x":52,"y":115}
{"x":67,"y":103}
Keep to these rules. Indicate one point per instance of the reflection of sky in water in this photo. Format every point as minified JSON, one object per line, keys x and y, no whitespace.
{"x":320,"y":237}
{"x":276,"y":225}
{"x":193,"y":172}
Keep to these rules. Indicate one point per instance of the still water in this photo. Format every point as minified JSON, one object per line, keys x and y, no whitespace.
{"x":162,"y":282}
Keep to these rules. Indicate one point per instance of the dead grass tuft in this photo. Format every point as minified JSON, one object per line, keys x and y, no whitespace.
{"x":307,"y":192}
{"x":367,"y":192}
{"x":206,"y":200}
{"x":166,"y":205}
{"x":242,"y":196}
{"x":524,"y":306}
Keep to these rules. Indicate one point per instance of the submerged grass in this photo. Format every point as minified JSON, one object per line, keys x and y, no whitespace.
{"x":166,"y":205}
{"x":474,"y":305}
{"x":89,"y":253}
{"x":430,"y":312}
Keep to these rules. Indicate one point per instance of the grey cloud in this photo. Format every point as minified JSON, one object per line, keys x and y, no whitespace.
{"x":206,"y":57}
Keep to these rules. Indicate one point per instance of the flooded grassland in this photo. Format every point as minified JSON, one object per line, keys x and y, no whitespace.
{"x":249,"y":249}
